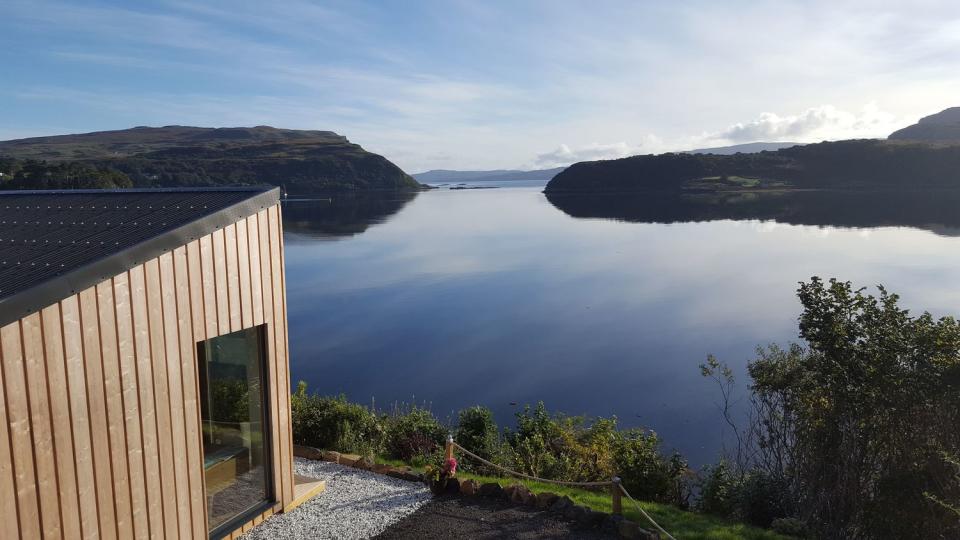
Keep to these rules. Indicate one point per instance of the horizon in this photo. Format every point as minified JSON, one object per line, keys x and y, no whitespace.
{"x":481,"y":87}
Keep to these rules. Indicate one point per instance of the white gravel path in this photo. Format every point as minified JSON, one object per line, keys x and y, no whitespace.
{"x":356,"y":504}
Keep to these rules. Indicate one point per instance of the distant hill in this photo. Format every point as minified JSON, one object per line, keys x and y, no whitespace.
{"x":439,"y":176}
{"x":849,"y":165}
{"x":303,"y":162}
{"x":746,"y":148}
{"x":943,"y":126}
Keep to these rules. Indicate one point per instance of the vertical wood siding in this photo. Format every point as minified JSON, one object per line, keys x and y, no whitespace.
{"x":99,"y":401}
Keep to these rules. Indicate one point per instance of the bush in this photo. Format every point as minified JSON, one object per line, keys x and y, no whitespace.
{"x":335,"y":424}
{"x":413,"y":434}
{"x":790,"y":527}
{"x":718,"y":490}
{"x":645,"y":473}
{"x":477,"y":432}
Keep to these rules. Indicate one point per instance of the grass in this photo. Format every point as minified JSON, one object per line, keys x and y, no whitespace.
{"x":682,"y":524}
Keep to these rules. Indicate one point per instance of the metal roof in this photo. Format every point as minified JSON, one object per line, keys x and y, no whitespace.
{"x":56,"y":243}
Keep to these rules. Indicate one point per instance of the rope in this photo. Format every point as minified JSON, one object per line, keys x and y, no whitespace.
{"x":527,"y":476}
{"x":561,"y":483}
{"x":646,"y":515}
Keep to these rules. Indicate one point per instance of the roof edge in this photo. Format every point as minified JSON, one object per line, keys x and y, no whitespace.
{"x":42,"y":295}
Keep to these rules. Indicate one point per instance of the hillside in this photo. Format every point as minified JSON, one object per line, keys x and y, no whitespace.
{"x":943,"y":126}
{"x":438,"y":176}
{"x":303,"y":162}
{"x":746,"y":148}
{"x":855,"y":164}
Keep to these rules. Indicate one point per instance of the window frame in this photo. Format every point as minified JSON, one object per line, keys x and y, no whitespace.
{"x":270,"y":501}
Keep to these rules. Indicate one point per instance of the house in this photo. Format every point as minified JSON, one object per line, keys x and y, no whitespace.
{"x":143,"y":358}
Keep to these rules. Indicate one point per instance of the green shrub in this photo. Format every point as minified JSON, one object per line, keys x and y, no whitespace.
{"x":790,"y":527}
{"x":413,"y":434}
{"x":760,"y":499}
{"x":718,"y":490}
{"x":645,"y":473}
{"x":477,"y":432}
{"x":335,"y":424}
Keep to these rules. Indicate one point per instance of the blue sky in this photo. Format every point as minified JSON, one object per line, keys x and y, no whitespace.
{"x":455,"y":84}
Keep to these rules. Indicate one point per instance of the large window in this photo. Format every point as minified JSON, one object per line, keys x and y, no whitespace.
{"x":236,"y":443}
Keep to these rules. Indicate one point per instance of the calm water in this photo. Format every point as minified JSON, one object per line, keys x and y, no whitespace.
{"x":495,"y":297}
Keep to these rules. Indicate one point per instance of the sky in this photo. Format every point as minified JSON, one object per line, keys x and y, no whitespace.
{"x":486,"y":84}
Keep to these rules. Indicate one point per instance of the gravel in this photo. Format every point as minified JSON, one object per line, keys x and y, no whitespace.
{"x":356,"y":504}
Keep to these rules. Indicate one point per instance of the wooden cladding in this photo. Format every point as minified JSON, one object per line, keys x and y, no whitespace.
{"x":99,"y":393}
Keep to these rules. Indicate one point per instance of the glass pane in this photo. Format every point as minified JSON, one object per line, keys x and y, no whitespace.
{"x":235,"y":440}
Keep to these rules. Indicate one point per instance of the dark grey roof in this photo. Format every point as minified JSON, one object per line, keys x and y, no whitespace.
{"x":57,"y":243}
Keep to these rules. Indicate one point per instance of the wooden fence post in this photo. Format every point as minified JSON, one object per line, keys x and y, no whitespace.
{"x":616,"y":495}
{"x":448,"y":449}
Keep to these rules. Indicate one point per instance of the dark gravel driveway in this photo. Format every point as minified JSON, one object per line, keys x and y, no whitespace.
{"x":482,"y":517}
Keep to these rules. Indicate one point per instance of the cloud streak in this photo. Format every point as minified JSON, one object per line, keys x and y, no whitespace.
{"x":824,"y":122}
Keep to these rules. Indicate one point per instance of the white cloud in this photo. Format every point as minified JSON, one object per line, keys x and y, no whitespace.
{"x":564,"y":155}
{"x":825,"y":122}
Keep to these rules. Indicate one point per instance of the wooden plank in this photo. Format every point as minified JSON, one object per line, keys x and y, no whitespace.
{"x":209,"y":290}
{"x":44,"y":453}
{"x":220,"y":279}
{"x":267,"y":288}
{"x":243,"y":260}
{"x":178,"y":432}
{"x":9,"y":497}
{"x":136,"y":412}
{"x":79,"y":414}
{"x":187,"y":310}
{"x":279,"y":335}
{"x":146,"y":384}
{"x":157,"y":356}
{"x":59,"y":403}
{"x":286,"y":340}
{"x":233,"y":277}
{"x":256,"y":289}
{"x":20,"y":432}
{"x":115,"y":393}
{"x":97,"y":414}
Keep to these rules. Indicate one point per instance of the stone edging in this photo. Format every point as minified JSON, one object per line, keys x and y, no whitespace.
{"x":517,"y":494}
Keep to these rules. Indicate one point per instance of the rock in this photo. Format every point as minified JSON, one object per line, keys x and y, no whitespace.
{"x":364,"y":464}
{"x":348,"y":459}
{"x":452,"y":487}
{"x":331,"y":456}
{"x":561,"y":504}
{"x":576,"y":513}
{"x":307,"y":452}
{"x":491,"y":489}
{"x":469,"y":487}
{"x":522,"y":495}
{"x":629,"y":529}
{"x":594,"y":518}
{"x":612,"y":522}
{"x":404,"y":474}
{"x":381,"y":468}
{"x":546,"y":499}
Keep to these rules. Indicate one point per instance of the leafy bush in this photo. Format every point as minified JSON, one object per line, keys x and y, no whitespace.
{"x":573,"y":449}
{"x":848,"y":431}
{"x":335,"y":424}
{"x":413,"y":434}
{"x":718,"y":490}
{"x":790,"y":527}
{"x":477,"y":432}
{"x":645,"y":473}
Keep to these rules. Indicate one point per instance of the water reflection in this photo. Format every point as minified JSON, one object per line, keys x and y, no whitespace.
{"x":341,"y":215}
{"x":935,"y":211}
{"x":495,"y":296}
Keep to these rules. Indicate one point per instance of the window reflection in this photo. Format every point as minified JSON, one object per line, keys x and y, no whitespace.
{"x":235,"y":438}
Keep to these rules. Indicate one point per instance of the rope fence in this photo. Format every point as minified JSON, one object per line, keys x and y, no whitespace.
{"x":615,"y":485}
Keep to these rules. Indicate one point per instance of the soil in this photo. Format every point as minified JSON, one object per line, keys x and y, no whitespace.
{"x":483,"y":517}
